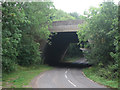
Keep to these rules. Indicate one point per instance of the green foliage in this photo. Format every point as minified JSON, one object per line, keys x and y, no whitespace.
{"x":75,"y":14}
{"x":8,"y":65}
{"x":102,"y":76}
{"x":61,"y":16}
{"x":36,"y":30}
{"x":98,"y":30}
{"x":22,"y":77}
{"x":29,"y":52}
{"x":39,"y":15}
{"x":74,"y":51}
{"x":11,"y":33}
{"x":24,"y":26}
{"x":101,"y":31}
{"x":109,"y":72}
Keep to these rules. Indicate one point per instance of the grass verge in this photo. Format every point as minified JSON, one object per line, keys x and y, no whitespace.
{"x":23,"y":76}
{"x":71,"y":59}
{"x":90,"y":73}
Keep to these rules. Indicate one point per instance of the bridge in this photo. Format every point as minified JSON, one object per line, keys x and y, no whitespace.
{"x":66,"y":34}
{"x":65,"y":26}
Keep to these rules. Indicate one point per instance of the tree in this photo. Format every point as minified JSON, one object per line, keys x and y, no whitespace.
{"x":12,"y":19}
{"x":38,"y":14}
{"x":61,"y":15}
{"x":97,"y":30}
{"x":24,"y":26}
{"x":101,"y":32}
{"x":75,"y":14}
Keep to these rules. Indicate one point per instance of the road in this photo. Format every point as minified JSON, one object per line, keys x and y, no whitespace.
{"x":64,"y":78}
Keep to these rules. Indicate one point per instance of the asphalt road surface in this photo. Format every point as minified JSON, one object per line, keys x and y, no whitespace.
{"x":64,"y":78}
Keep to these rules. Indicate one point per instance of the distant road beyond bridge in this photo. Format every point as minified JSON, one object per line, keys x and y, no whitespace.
{"x":65,"y":26}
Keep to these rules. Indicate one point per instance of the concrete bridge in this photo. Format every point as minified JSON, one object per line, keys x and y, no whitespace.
{"x":66,"y":34}
{"x":66,"y":26}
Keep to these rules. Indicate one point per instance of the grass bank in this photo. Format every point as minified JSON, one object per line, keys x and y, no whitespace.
{"x":23,"y":76}
{"x":92,"y":74}
{"x":71,"y":59}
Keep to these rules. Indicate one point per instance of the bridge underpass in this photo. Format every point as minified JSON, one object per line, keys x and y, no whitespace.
{"x":59,"y":43}
{"x":66,"y":34}
{"x":70,"y":75}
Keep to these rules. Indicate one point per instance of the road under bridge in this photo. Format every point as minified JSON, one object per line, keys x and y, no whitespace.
{"x":66,"y":34}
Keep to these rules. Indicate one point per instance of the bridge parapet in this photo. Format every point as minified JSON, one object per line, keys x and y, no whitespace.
{"x":66,"y":26}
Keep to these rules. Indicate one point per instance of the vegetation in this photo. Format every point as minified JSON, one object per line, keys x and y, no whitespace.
{"x":22,"y":79}
{"x":74,"y":50}
{"x":101,"y":32}
{"x":61,"y":16}
{"x":91,"y":74}
{"x":73,"y":53}
{"x":75,"y":14}
{"x":71,"y":59}
{"x":24,"y":26}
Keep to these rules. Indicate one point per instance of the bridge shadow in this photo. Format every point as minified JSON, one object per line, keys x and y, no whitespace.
{"x":71,"y":65}
{"x":55,"y":52}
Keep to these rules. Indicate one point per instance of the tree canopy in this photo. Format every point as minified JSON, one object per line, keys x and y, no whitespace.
{"x":24,"y":26}
{"x":60,"y":15}
{"x":101,"y":32}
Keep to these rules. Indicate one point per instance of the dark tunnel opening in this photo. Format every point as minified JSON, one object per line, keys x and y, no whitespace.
{"x":55,"y":52}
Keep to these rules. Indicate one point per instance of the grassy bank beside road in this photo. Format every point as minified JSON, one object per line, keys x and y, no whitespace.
{"x":71,"y":59}
{"x":91,"y":73}
{"x":23,"y":76}
{"x":94,"y":72}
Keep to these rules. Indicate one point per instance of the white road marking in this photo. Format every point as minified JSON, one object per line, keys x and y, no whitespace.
{"x":65,"y":76}
{"x":72,"y":83}
{"x":66,"y":72}
{"x":68,"y":79}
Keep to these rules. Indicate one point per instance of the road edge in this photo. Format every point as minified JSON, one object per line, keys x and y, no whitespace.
{"x":95,"y":81}
{"x":34,"y":80}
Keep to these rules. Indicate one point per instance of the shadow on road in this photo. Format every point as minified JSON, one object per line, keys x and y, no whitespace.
{"x":71,"y":65}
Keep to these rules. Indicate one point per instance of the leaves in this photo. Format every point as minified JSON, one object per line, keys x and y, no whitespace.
{"x":101,"y":31}
{"x":24,"y":26}
{"x":61,"y":16}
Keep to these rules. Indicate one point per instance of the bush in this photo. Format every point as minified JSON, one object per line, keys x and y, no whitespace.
{"x":22,"y":31}
{"x":101,"y":32}
{"x":109,"y":72}
{"x":8,"y":65}
{"x":12,"y":18}
{"x":29,"y":52}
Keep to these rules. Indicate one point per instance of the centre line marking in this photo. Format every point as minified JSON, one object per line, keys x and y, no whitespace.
{"x":65,"y":76}
{"x":72,"y":83}
{"x":66,"y":72}
{"x":69,"y":80}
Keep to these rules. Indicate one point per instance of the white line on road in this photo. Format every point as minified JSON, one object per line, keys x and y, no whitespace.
{"x":66,"y":72}
{"x":72,"y":83}
{"x":69,"y":80}
{"x":66,"y":76}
